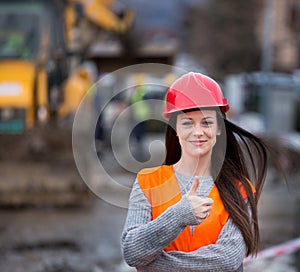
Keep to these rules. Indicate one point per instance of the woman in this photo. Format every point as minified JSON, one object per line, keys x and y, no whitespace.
{"x":198,"y":212}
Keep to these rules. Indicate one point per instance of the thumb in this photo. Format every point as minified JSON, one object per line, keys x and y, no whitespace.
{"x":194,"y":187}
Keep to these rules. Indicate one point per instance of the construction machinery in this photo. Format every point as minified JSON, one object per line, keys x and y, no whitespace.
{"x":43,"y":78}
{"x":51,"y":53}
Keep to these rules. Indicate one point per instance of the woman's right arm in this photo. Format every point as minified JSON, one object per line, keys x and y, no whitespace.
{"x":143,"y":239}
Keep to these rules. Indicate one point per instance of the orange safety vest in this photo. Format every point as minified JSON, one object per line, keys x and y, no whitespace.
{"x":161,"y":188}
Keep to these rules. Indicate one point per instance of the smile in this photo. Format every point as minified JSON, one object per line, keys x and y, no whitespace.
{"x":198,"y":142}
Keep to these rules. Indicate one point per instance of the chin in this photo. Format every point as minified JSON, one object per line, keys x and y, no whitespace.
{"x":199,"y":153}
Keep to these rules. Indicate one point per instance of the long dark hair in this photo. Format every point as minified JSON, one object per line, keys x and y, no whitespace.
{"x":245,"y":161}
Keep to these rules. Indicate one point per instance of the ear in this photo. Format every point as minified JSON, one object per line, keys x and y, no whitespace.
{"x":219,"y":132}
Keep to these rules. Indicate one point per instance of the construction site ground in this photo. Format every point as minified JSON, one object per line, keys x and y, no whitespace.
{"x":86,"y":238}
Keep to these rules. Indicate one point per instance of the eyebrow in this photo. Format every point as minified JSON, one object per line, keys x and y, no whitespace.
{"x":190,"y":118}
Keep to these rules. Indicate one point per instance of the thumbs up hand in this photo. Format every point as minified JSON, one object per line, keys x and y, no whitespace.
{"x":201,"y":205}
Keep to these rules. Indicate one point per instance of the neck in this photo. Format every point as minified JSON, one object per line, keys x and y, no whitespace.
{"x":194,"y":166}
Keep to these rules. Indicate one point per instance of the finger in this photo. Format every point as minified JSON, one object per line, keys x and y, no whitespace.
{"x":204,"y":216}
{"x":207,"y":201}
{"x":194,"y":187}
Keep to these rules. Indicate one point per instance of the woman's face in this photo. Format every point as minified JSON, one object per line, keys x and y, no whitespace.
{"x":197,"y":131}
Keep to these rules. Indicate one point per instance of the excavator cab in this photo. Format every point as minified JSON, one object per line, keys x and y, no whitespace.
{"x":30,"y":37}
{"x":20,"y":32}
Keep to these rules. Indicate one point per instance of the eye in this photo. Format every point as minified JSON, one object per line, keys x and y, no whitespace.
{"x":207,"y":123}
{"x":187,"y":123}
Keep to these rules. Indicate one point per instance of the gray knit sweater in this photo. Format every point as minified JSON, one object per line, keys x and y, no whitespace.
{"x":143,"y":240}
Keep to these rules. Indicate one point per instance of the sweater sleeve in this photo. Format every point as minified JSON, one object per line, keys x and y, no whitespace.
{"x":226,"y":254}
{"x":143,"y":240}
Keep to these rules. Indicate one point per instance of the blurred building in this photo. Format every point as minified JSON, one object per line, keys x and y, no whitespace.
{"x":231,"y":36}
{"x":284,"y":27}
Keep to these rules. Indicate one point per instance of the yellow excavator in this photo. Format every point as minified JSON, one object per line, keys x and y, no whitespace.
{"x":44,"y":45}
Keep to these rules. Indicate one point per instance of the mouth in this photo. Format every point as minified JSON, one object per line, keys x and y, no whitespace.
{"x":198,"y":142}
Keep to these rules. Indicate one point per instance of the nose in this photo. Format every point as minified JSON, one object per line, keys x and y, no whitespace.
{"x":198,"y":130}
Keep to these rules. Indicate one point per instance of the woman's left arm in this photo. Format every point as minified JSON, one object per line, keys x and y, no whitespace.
{"x":226,"y":254}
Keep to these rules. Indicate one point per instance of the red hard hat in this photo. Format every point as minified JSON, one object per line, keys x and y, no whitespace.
{"x":194,"y":90}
